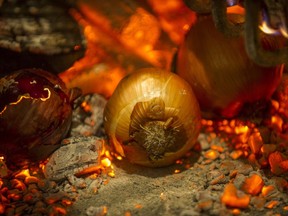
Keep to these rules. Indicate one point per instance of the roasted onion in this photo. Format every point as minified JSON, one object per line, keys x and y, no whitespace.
{"x":220,"y":72}
{"x":35,"y":114}
{"x":152,"y":118}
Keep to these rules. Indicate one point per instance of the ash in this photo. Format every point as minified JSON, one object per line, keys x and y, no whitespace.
{"x":192,"y":187}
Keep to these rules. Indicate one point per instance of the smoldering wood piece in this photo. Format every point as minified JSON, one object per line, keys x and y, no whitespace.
{"x":75,"y":154}
{"x":34,"y":29}
{"x":87,"y":118}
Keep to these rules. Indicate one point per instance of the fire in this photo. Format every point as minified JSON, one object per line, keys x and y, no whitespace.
{"x":106,"y":162}
{"x":96,"y":71}
{"x":242,"y":129}
{"x":281,"y":30}
{"x":266,"y":29}
{"x":23,"y":174}
{"x":174,"y":17}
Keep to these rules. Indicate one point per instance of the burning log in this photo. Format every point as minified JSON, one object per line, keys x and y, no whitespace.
{"x":38,"y":34}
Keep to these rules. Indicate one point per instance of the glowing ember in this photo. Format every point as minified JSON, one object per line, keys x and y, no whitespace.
{"x":2,"y":209}
{"x":255,"y":142}
{"x":217,"y":148}
{"x":260,"y":139}
{"x":266,"y":190}
{"x":275,"y":159}
{"x":86,"y":106}
{"x":177,"y":171}
{"x":236,"y":154}
{"x":211,"y":154}
{"x":253,"y":185}
{"x":234,"y":198}
{"x":3,"y":168}
{"x":272,"y":204}
{"x":23,"y":174}
{"x":138,"y":206}
{"x":236,"y":211}
{"x":106,"y":162}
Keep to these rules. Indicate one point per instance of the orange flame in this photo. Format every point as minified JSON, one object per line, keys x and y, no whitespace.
{"x":266,"y":29}
{"x":106,"y":162}
{"x":23,"y":174}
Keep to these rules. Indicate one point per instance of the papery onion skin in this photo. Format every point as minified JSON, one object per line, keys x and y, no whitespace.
{"x":150,"y":98}
{"x":35,"y":114}
{"x":221,"y":73}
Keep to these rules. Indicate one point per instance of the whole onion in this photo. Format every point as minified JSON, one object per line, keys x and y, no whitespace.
{"x":220,"y":71}
{"x":35,"y":114}
{"x":152,"y":118}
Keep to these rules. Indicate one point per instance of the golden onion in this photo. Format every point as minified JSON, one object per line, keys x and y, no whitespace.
{"x":152,"y":118}
{"x":220,"y":72}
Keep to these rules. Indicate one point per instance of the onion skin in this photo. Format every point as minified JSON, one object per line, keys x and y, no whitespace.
{"x":220,"y":72}
{"x":146,"y":100}
{"x":35,"y":114}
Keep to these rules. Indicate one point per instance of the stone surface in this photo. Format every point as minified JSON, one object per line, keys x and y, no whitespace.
{"x":75,"y":154}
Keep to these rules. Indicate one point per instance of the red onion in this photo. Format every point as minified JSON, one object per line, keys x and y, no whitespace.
{"x":35,"y":114}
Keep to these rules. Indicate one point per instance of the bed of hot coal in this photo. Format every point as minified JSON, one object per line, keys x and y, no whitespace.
{"x":230,"y":171}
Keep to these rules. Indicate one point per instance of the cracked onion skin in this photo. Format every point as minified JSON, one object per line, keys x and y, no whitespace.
{"x":220,"y":72}
{"x":35,"y":114}
{"x":152,"y":118}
